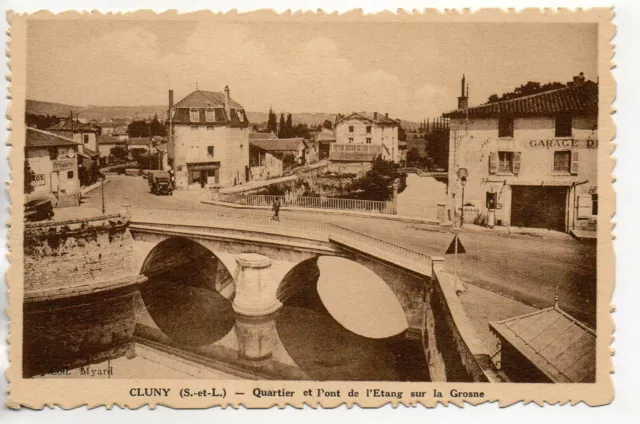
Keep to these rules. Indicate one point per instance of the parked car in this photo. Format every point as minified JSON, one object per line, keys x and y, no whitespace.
{"x":160,"y":182}
{"x":38,"y":210}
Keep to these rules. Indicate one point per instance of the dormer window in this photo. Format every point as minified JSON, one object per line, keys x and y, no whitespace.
{"x":210,"y":115}
{"x":194,"y":115}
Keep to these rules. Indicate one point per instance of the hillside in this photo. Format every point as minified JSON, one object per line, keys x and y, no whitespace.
{"x":90,"y":112}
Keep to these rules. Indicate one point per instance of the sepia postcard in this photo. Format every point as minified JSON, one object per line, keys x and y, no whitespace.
{"x":261,"y":210}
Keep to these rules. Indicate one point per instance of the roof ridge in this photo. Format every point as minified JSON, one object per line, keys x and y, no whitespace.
{"x":52,"y":134}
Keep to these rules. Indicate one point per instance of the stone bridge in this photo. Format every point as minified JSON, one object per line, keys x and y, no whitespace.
{"x":116,"y":285}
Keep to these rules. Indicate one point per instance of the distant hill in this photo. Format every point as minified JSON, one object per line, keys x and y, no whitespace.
{"x":90,"y":112}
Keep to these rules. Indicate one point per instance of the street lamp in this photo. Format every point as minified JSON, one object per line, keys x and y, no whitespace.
{"x":463,"y":182}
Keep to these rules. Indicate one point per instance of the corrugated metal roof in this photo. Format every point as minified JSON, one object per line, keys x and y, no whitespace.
{"x":556,"y":343}
{"x":40,"y":138}
{"x":582,"y":99}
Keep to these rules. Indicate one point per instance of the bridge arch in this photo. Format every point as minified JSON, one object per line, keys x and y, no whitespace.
{"x":189,"y":292}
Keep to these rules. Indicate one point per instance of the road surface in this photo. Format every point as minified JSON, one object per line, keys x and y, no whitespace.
{"x":526,"y":268}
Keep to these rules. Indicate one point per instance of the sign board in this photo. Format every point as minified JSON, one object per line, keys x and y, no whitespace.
{"x":452,"y":247}
{"x":38,"y":180}
{"x":64,"y":165}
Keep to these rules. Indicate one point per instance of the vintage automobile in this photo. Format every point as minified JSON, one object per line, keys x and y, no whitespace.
{"x":159,"y":182}
{"x":38,"y":210}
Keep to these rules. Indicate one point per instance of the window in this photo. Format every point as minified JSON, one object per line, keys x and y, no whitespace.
{"x":368,"y":140}
{"x":562,"y":161}
{"x":210,"y":151}
{"x":563,"y":125}
{"x":350,"y":139}
{"x":368,"y":129}
{"x":70,"y":175}
{"x":350,"y":128}
{"x":505,"y":161}
{"x":86,"y":138}
{"x":194,"y":115}
{"x":210,"y":115}
{"x":505,"y":126}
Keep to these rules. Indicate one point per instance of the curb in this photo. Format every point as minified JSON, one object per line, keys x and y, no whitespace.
{"x":92,"y":187}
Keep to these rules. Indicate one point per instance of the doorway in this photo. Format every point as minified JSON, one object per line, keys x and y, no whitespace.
{"x":539,"y":207}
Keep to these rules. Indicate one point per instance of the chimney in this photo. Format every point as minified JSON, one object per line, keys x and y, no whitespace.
{"x":170,"y":103}
{"x":227,"y":101}
{"x":463,"y":100}
{"x":386,"y":115}
{"x":375,"y":115}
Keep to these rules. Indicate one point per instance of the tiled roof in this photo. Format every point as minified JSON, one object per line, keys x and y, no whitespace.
{"x":378,"y":118}
{"x":262,"y":136}
{"x":107,"y":139}
{"x":278,"y":144}
{"x":353,"y":156}
{"x":73,"y":126}
{"x":582,"y":99}
{"x":202,"y":98}
{"x":555,"y":342}
{"x":39,"y":138}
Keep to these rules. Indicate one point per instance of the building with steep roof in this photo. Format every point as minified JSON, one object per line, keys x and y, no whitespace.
{"x":209,"y":140}
{"x":85,"y":134}
{"x":531,"y":160}
{"x":53,"y":160}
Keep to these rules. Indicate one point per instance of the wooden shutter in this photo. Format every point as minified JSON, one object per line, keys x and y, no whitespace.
{"x":584,"y":206}
{"x":574,"y":162}
{"x":516,"y":162}
{"x":493,"y":162}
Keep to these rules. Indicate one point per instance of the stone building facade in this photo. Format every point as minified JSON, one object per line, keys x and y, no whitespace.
{"x":209,"y":140}
{"x":532,"y":159}
{"x":361,"y":135}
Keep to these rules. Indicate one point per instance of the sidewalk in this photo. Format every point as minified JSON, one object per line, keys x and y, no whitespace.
{"x":506,"y":231}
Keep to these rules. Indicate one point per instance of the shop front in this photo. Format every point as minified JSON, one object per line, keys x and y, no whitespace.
{"x":203,"y":174}
{"x":539,"y":207}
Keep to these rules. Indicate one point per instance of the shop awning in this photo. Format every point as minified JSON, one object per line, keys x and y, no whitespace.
{"x":203,"y":166}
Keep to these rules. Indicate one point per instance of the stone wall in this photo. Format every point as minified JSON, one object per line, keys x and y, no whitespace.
{"x":80,"y":288}
{"x":75,"y":257}
{"x":453,"y":350}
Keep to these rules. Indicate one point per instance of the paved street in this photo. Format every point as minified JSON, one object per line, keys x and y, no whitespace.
{"x":526,"y":268}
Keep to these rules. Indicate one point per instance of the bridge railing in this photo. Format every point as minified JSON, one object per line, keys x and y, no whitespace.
{"x":310,"y":202}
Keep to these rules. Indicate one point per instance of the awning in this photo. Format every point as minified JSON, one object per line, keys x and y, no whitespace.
{"x":203,"y":166}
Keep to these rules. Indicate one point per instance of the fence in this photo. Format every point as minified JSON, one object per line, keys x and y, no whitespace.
{"x":311,"y":202}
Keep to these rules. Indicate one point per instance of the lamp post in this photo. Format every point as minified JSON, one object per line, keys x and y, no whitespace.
{"x":463,"y":182}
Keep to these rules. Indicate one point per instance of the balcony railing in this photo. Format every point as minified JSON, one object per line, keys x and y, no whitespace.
{"x":360,"y":148}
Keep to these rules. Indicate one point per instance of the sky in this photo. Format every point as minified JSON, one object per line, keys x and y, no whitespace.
{"x":410,"y":70}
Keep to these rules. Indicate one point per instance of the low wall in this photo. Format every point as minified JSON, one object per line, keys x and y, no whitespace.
{"x":79,"y":293}
{"x":453,"y":350}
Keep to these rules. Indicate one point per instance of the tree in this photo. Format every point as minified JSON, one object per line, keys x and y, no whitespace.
{"x":288,"y":161}
{"x":272,"y":122}
{"x":413,"y":156}
{"x":377,"y":183}
{"x":402,"y":135}
{"x":289,"y":123}
{"x":29,"y":176}
{"x":146,"y":129}
{"x":282,"y":127}
{"x":327,"y":124}
{"x":119,"y":152}
{"x":531,"y":87}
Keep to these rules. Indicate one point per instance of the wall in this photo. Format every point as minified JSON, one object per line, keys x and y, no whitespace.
{"x":79,"y":294}
{"x":42,"y":166}
{"x":453,"y":350}
{"x":231,"y":149}
{"x":385,"y":135}
{"x":472,"y":142}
